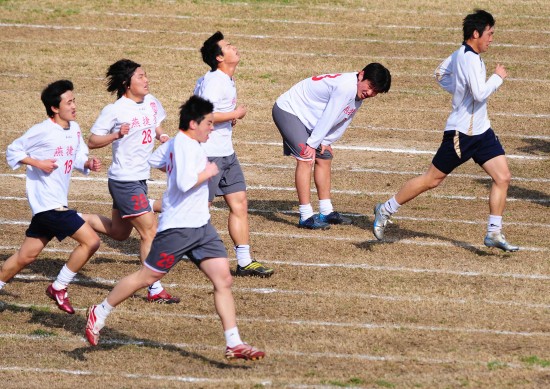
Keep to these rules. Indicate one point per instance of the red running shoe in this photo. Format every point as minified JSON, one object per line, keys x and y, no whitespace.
{"x":244,"y":351}
{"x":162,"y":298}
{"x":93,"y":326}
{"x":61,"y":298}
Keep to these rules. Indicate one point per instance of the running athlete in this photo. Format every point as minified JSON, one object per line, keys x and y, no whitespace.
{"x":311,"y":116}
{"x":130,"y":126}
{"x":51,"y":150}
{"x":468,"y":133}
{"x":184,"y":229}
{"x":218,"y":86}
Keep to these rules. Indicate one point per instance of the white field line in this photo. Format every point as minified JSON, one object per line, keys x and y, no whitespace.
{"x":134,"y":376}
{"x":315,"y":323}
{"x":263,"y":36}
{"x":324,"y":265}
{"x":330,"y":294}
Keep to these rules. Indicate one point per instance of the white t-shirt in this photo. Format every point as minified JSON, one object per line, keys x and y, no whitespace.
{"x":220,"y":90}
{"x":130,"y":153}
{"x":463,"y":74}
{"x":183,"y":205}
{"x":325,"y":104}
{"x":48,"y":140}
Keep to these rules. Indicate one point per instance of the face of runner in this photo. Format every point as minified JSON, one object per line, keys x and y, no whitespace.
{"x":202,"y":129}
{"x":364,"y":88}
{"x":230,"y":53}
{"x":139,"y":86}
{"x":67,"y":109}
{"x":485,"y":40}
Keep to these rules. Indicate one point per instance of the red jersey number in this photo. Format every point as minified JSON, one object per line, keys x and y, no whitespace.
{"x":68,"y":166}
{"x":140,"y":202}
{"x":147,"y":138}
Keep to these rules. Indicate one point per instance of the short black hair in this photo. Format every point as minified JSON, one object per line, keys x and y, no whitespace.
{"x":119,"y":76}
{"x":51,"y":95}
{"x":477,"y":21}
{"x":196,"y":108}
{"x":211,"y":49}
{"x":379,"y":77}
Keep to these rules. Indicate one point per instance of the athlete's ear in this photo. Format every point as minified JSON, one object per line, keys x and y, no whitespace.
{"x":475,"y":34}
{"x":193,"y":125}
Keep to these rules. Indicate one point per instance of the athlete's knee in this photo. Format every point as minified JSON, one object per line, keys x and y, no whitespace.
{"x":503,"y":178}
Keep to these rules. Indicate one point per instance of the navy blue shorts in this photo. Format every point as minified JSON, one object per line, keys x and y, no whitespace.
{"x":230,"y":178}
{"x":198,"y":244}
{"x":457,"y":148}
{"x":60,"y":223}
{"x":295,"y":135}
{"x":129,"y":197}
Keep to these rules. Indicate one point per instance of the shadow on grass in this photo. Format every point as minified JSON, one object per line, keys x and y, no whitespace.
{"x":535,"y":146}
{"x":531,"y":195}
{"x":76,"y":325}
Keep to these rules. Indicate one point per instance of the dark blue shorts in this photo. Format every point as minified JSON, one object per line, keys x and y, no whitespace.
{"x":295,"y":135}
{"x":129,"y":197}
{"x":198,"y":244}
{"x":230,"y":178}
{"x":58,"y":223}
{"x":457,"y":148}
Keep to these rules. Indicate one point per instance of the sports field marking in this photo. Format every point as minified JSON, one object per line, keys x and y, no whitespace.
{"x":324,"y":265}
{"x":346,"y":295}
{"x":262,"y":36}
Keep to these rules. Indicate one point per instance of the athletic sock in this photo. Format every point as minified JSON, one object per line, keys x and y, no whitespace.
{"x":391,"y":206}
{"x":103,"y":310}
{"x":306,"y":211}
{"x":325,"y":206}
{"x":494,"y":223}
{"x":64,"y":278}
{"x":155,"y":288}
{"x":232,"y":337}
{"x":2,"y":284}
{"x":151,"y":204}
{"x":242,"y":252}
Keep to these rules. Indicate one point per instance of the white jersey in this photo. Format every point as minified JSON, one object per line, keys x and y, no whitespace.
{"x":463,"y":74}
{"x":218,"y":88}
{"x":183,"y":204}
{"x":48,"y":140}
{"x":130,"y":153}
{"x":325,"y":104}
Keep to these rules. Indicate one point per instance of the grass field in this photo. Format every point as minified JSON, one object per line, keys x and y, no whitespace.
{"x":430,"y":308}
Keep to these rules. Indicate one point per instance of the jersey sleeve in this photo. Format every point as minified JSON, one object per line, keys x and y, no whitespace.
{"x":481,"y":89}
{"x":82,"y":153}
{"x":444,"y":75}
{"x":105,"y":122}
{"x":336,"y":103}
{"x":157,"y":160}
{"x":23,"y":146}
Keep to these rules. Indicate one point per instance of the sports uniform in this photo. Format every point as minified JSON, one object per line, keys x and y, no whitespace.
{"x":129,"y":170}
{"x":220,"y":90}
{"x":47,"y":193}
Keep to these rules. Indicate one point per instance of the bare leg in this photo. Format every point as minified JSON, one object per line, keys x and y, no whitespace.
{"x":322,"y":177}
{"x":88,"y":244}
{"x":26,"y":255}
{"x":302,"y":179}
{"x":130,"y":284}
{"x":420,"y":184}
{"x":238,"y":218}
{"x":217,"y":270}
{"x":499,"y":171}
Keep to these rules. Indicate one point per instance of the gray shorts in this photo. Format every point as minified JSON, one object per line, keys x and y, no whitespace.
{"x":230,"y":178}
{"x":295,"y":134}
{"x":129,"y":197}
{"x":169,"y":246}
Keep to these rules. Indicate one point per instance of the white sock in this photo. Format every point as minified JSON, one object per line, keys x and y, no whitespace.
{"x":232,"y":337}
{"x":306,"y":211}
{"x":391,"y":206}
{"x":494,"y":223}
{"x":242,"y":252}
{"x":325,"y":206}
{"x":155,"y":288}
{"x":2,"y":284}
{"x":151,"y":204}
{"x":64,"y":278}
{"x":103,"y":310}
{"x":80,"y":214}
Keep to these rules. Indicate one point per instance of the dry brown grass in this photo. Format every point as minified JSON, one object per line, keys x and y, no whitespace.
{"x":432,"y":308}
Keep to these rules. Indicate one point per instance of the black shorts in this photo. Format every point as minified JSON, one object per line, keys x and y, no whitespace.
{"x":295,"y":135}
{"x":61,"y":222}
{"x":198,"y":244}
{"x":129,"y":197}
{"x":457,"y":148}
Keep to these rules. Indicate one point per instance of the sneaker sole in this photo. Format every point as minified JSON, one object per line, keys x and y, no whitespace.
{"x":234,"y":359}
{"x":254,"y":274}
{"x":173,"y":300}
{"x":89,"y":335}
{"x":314,"y":228}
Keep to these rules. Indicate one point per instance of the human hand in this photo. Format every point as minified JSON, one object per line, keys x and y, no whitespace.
{"x":211,"y":169}
{"x":326,"y":148}
{"x":94,"y":164}
{"x":240,"y":111}
{"x":124,"y":130}
{"x":47,"y":165}
{"x":501,"y":71}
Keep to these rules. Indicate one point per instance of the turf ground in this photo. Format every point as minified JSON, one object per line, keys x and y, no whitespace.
{"x":430,"y":308}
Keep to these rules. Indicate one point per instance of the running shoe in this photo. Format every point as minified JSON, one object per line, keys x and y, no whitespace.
{"x":162,"y":298}
{"x":254,"y":269}
{"x":93,"y":326}
{"x":334,"y":218}
{"x":497,"y":239}
{"x":243,"y":351}
{"x":61,"y":298}
{"x":313,"y":223}
{"x":381,"y":219}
